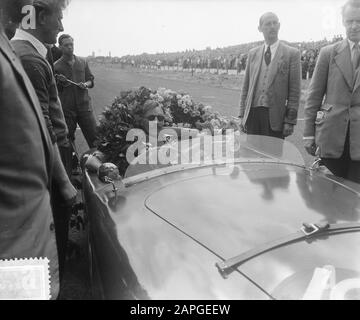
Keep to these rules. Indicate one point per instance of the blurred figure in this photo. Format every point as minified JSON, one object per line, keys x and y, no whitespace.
{"x":311,"y":65}
{"x":332,"y":125}
{"x":304,"y":66}
{"x":26,"y":162}
{"x":30,"y":46}
{"x":75,"y":98}
{"x":271,"y":91}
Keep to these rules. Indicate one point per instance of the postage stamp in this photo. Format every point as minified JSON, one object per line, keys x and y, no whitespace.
{"x":24,"y":279}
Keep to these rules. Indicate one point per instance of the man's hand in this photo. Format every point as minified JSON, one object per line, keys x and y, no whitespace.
{"x":69,"y":194}
{"x":61,"y":78}
{"x":288,"y":129}
{"x":310,"y":146}
{"x":241,"y":124}
{"x":83,"y":85}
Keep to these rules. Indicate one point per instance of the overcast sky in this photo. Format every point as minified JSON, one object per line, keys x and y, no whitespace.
{"x":136,"y":26}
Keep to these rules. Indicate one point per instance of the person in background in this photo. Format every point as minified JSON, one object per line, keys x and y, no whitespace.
{"x":270,"y":94}
{"x":304,"y":66}
{"x":30,"y":46}
{"x":75,"y":98}
{"x":332,"y":125}
{"x":27,"y":161}
{"x":56,"y":52}
{"x":311,"y":65}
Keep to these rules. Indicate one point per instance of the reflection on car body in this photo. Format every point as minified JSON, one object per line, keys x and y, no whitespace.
{"x":160,"y":234}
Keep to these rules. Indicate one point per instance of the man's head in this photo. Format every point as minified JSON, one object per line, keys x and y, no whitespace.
{"x":48,"y":19}
{"x":150,"y":111}
{"x":11,"y":14}
{"x":351,"y":19}
{"x":269,"y":26}
{"x":66,"y":44}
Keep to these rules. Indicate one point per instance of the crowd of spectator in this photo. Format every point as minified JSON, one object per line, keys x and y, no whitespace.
{"x":228,"y":58}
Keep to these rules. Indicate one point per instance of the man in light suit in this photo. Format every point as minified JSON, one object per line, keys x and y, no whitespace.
{"x":271,"y":91}
{"x":27,"y":161}
{"x":332,"y":125}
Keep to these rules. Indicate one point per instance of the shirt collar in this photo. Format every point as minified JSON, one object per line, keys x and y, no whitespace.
{"x":273,"y":47}
{"x":39,"y":46}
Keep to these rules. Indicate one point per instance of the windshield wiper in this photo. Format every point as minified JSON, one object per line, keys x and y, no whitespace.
{"x":307,"y":232}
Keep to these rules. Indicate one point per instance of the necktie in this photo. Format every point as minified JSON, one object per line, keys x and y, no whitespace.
{"x":355,"y":56}
{"x":267,"y":56}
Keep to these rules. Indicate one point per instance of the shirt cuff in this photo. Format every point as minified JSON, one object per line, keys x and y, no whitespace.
{"x":308,"y":138}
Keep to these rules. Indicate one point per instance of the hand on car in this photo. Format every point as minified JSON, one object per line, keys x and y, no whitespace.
{"x":310,"y":146}
{"x":288,"y":129}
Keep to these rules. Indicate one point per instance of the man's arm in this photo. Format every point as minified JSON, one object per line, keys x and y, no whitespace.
{"x":294,"y":89}
{"x":62,"y":180}
{"x":39,"y":78}
{"x":89,"y":77}
{"x":245,"y":89}
{"x":316,"y":92}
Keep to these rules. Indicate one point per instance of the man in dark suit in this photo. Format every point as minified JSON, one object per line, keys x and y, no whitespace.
{"x":332,"y":125}
{"x":75,"y":99}
{"x":26,"y":165}
{"x":270,"y":94}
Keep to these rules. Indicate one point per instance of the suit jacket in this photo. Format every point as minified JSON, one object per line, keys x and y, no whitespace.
{"x":334,"y":92}
{"x":283,"y":85}
{"x":26,"y":158}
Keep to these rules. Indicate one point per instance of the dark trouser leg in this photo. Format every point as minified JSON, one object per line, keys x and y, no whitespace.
{"x":61,"y":215}
{"x":61,"y":212}
{"x":339,"y":167}
{"x":71,"y":122}
{"x":66,"y":157}
{"x":344,"y":167}
{"x":354,"y":171}
{"x":258,"y":124}
{"x":87,"y":123}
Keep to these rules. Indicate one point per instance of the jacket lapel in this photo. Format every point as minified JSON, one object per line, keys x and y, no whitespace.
{"x":256,"y":62}
{"x":278,"y":58}
{"x":343,"y":61}
{"x":357,"y":81}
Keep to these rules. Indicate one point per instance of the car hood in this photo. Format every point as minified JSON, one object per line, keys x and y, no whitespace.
{"x":229,"y":210}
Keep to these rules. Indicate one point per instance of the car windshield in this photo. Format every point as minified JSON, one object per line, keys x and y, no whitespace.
{"x":205,"y":149}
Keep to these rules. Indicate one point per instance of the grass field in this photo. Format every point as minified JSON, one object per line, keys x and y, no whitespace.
{"x":220,"y":91}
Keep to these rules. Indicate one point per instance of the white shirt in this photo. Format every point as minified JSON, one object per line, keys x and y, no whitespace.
{"x":273,"y":48}
{"x":39,"y":46}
